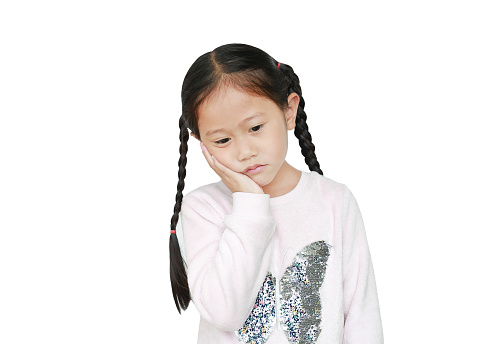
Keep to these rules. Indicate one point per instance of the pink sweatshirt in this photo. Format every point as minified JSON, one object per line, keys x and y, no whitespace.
{"x":289,"y":269}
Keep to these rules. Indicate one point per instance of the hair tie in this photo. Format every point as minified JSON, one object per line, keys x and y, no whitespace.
{"x":173,"y":231}
{"x":279,"y":64}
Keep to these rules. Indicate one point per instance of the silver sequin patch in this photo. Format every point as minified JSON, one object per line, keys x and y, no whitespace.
{"x":259,"y":325}
{"x":299,"y":300}
{"x":299,"y":296}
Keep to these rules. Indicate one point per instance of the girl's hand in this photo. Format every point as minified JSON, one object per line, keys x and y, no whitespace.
{"x":236,"y":182}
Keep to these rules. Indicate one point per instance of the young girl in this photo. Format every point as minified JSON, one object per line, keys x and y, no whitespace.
{"x":273,"y":254}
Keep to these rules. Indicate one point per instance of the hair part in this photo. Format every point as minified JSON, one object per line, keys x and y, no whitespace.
{"x":250,"y":70}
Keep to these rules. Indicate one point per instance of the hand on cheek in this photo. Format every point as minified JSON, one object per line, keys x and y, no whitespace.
{"x":235,"y":181}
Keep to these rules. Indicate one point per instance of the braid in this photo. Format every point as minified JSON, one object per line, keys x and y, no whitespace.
{"x":178,"y":274}
{"x":301,"y":130}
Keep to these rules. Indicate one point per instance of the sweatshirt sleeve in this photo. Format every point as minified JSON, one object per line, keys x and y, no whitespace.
{"x":362,"y":318}
{"x":227,"y":259}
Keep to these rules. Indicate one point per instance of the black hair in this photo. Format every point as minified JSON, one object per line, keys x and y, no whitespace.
{"x":248,"y":69}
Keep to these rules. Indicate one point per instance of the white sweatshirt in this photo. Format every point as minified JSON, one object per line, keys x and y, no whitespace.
{"x":289,"y":269}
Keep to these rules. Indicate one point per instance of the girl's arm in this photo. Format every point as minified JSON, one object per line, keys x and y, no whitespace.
{"x":227,"y":261}
{"x":362,"y":318}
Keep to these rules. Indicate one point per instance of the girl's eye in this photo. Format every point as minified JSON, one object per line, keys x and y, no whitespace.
{"x":223,"y":141}
{"x":219,"y":142}
{"x":257,"y":126}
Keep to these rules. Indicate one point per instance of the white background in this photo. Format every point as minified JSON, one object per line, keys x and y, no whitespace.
{"x":404,"y":102}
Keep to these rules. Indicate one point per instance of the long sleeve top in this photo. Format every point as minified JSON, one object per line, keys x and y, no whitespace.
{"x":289,"y":269}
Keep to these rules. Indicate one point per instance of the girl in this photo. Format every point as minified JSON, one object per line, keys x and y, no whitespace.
{"x":274,"y":254}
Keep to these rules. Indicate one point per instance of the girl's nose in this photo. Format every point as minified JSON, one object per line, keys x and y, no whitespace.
{"x":246,"y":150}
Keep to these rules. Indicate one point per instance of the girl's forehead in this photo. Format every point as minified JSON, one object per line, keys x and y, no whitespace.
{"x":228,"y":103}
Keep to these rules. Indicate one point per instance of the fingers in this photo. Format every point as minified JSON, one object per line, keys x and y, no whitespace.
{"x":215,"y":164}
{"x":221,"y":167}
{"x":207,"y":155}
{"x":211,"y":160}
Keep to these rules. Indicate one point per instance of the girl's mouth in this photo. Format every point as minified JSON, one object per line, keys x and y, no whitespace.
{"x":256,"y":170}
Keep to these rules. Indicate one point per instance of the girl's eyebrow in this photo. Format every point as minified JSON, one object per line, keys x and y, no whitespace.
{"x":211,"y":132}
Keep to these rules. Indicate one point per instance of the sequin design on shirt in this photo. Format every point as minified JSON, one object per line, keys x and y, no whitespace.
{"x":299,"y":294}
{"x":259,"y":325}
{"x":299,"y":300}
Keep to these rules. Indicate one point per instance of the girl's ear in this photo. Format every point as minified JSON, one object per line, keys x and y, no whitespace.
{"x":291,"y":111}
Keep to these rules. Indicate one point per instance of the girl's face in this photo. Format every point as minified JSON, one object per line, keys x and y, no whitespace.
{"x":242,"y":130}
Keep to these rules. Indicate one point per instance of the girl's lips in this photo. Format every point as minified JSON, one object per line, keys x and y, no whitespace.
{"x":256,"y":170}
{"x":251,"y":167}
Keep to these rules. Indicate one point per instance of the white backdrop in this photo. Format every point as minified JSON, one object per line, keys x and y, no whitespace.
{"x":404,"y":102}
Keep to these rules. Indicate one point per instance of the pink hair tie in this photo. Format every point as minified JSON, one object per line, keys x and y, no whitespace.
{"x":173,"y":231}
{"x":279,"y":64}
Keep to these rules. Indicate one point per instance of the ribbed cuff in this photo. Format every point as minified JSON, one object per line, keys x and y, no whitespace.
{"x":250,"y":204}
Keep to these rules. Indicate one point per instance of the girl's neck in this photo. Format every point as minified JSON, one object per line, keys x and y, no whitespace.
{"x":285,"y":181}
